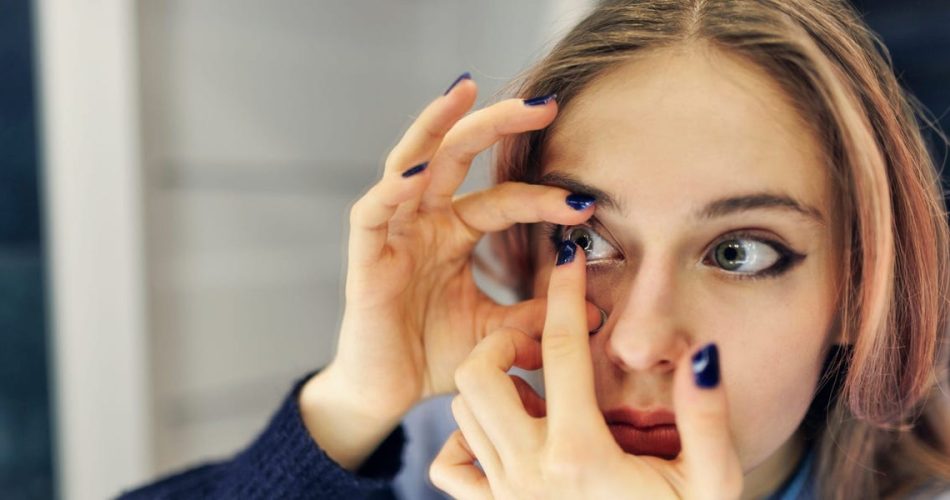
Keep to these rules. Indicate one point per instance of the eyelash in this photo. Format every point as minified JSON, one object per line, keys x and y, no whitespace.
{"x":788,"y":258}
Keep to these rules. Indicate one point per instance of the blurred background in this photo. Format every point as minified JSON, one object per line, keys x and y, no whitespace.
{"x":175,"y":183}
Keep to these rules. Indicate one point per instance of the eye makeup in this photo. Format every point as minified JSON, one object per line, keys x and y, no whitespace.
{"x":786,"y":258}
{"x":727,"y":254}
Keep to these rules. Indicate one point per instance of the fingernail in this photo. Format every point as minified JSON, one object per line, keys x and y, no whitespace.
{"x":415,"y":170}
{"x":706,"y":367}
{"x":580,"y":201}
{"x":463,"y":76}
{"x":540,"y":101}
{"x":566,"y":251}
{"x":603,"y":321}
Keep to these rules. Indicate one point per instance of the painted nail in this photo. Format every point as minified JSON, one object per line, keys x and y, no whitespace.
{"x":566,"y":251}
{"x":540,"y":101}
{"x":706,"y":367}
{"x":463,"y":76}
{"x":580,"y":201}
{"x":603,"y":321}
{"x":415,"y":170}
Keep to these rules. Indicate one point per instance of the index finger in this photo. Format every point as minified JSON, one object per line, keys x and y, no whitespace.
{"x":568,"y":371}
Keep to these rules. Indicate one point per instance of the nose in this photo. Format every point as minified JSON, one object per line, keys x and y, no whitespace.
{"x":647,"y":334}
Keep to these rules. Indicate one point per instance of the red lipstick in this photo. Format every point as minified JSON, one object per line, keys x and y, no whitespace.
{"x":644,"y":433}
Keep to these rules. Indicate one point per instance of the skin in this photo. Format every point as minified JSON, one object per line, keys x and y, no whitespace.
{"x":664,"y":136}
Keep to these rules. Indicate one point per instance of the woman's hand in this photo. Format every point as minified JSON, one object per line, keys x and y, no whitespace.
{"x":562,"y":448}
{"x":413,"y":311}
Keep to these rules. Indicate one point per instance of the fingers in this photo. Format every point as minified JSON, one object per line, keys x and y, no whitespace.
{"x":568,"y":372}
{"x":528,"y":316}
{"x":405,"y":175}
{"x":477,"y":132}
{"x":489,"y":402}
{"x":421,"y":140}
{"x":702,"y":418}
{"x":478,"y":442}
{"x":454,"y":471}
{"x":509,"y":203}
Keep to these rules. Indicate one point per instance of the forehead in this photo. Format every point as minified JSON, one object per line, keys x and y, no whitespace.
{"x":681,"y":126}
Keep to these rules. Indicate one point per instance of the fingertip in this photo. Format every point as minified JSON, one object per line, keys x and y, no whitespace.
{"x":461,"y":78}
{"x":705,"y":367}
{"x":464,"y":89}
{"x":580,"y":201}
{"x":698,"y":376}
{"x":566,"y":253}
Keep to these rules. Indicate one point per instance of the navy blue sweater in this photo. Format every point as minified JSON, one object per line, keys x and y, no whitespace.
{"x":283,"y":462}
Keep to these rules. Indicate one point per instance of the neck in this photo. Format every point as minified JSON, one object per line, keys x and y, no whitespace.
{"x":768,"y":476}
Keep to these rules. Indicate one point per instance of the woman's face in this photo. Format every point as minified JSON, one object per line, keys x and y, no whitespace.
{"x":713,"y":224}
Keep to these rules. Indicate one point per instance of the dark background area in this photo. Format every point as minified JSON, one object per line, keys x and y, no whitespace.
{"x":26,"y":465}
{"x":916,"y":33}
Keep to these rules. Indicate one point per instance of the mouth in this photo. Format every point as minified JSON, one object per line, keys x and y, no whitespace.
{"x":644,"y":433}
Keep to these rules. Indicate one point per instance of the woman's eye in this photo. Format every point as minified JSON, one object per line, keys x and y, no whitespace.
{"x":746,"y":256}
{"x":593,"y":244}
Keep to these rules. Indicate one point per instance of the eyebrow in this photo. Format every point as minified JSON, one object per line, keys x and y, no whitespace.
{"x":572,"y":184}
{"x":717,"y":208}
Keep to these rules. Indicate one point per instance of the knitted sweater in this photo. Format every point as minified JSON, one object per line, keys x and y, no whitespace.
{"x":283,"y":462}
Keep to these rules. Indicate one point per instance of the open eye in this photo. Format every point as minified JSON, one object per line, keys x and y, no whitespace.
{"x":748,"y":256}
{"x":594,"y":245}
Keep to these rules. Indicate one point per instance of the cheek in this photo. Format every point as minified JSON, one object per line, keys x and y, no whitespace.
{"x":772,"y":344}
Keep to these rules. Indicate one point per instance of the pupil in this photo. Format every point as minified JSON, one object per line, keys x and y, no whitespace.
{"x":581,"y":239}
{"x":731,"y":255}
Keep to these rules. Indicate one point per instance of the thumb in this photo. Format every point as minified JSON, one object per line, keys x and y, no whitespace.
{"x":709,"y":456}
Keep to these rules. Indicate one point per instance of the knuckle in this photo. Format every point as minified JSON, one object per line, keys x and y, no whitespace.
{"x":456,"y":406}
{"x":560,"y":286}
{"x":466,"y":376}
{"x":458,"y":145}
{"x":438,"y":474}
{"x":357,"y":210}
{"x":509,"y":189}
{"x":558,"y":342}
{"x":431,"y":134}
{"x":396,"y":159}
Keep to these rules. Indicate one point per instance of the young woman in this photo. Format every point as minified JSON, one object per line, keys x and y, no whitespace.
{"x":735,"y":247}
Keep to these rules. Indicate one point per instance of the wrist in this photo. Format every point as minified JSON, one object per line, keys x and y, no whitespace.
{"x":347,"y":426}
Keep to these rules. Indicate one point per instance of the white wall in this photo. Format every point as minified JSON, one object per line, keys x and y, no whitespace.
{"x":93,"y":206}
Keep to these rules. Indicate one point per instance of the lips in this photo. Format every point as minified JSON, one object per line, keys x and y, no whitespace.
{"x":642,"y":433}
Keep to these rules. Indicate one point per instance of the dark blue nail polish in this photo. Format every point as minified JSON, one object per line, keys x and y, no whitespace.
{"x":580,"y":201}
{"x":463,"y":76}
{"x":540,"y":101}
{"x":565,"y":252}
{"x":706,"y":367}
{"x":415,"y":170}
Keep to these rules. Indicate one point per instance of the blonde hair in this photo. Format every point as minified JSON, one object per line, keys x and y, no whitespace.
{"x":879,"y":430}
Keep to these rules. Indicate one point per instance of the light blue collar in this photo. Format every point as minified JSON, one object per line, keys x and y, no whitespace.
{"x":801,"y":486}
